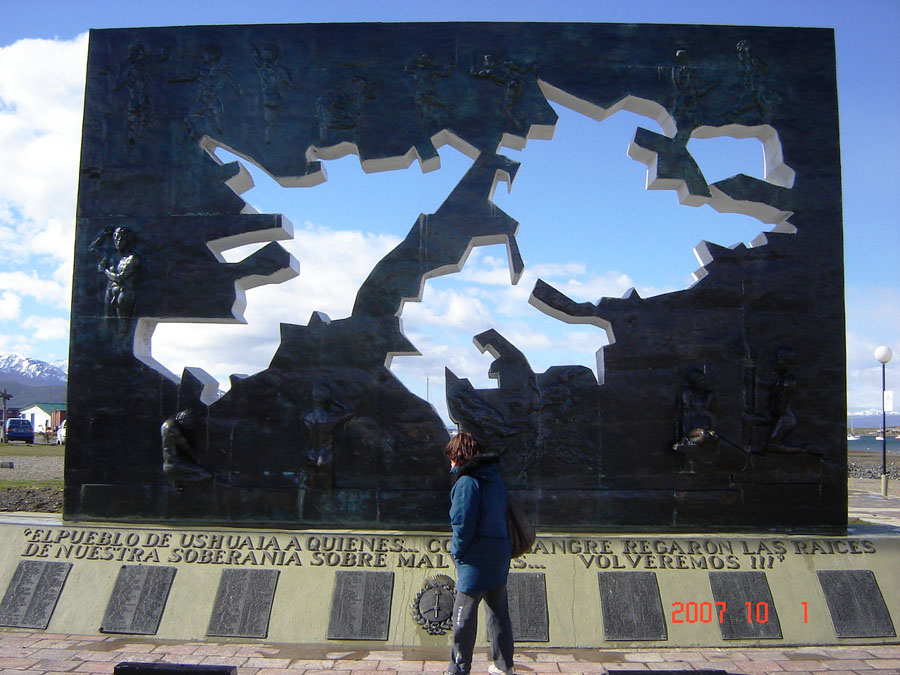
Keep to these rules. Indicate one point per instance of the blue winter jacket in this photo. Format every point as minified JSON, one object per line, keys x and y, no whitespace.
{"x":480,"y":544}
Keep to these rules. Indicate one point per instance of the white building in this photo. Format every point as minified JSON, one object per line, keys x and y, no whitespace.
{"x":40,"y":414}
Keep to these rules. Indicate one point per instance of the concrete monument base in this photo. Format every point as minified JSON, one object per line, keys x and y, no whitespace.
{"x":395,"y":588}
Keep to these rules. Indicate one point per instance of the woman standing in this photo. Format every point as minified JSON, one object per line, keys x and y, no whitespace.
{"x":480,"y":548}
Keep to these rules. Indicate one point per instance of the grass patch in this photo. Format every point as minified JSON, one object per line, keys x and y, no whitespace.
{"x":22,"y":450}
{"x":50,"y":482}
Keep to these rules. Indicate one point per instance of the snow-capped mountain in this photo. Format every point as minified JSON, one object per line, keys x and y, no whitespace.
{"x":23,"y":370}
{"x":871,"y":419}
{"x":870,"y":412}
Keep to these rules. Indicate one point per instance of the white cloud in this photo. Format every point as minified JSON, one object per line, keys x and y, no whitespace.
{"x":41,"y":101}
{"x":484,"y":268}
{"x":876,"y":310}
{"x":47,"y":328}
{"x":556,"y":270}
{"x":44,"y":291}
{"x":15,"y":344}
{"x":333,"y":265}
{"x":55,"y":242}
{"x":448,"y":309}
{"x":10,"y":305}
{"x":864,"y":372}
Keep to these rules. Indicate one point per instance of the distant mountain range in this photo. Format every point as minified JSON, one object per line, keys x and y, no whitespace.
{"x":871,"y":419}
{"x":32,"y":381}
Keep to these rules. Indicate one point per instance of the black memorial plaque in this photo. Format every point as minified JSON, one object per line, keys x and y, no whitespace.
{"x":667,"y":672}
{"x":155,"y":668}
{"x":528,"y":606}
{"x":32,"y":594}
{"x":243,"y":603}
{"x":749,"y":608}
{"x":361,"y":606}
{"x":855,"y":603}
{"x":632,"y":609}
{"x":138,"y":600}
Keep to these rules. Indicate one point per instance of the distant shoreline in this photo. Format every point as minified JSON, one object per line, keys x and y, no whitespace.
{"x":859,"y":456}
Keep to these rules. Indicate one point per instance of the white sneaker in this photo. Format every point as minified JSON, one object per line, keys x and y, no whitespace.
{"x":494,"y":670}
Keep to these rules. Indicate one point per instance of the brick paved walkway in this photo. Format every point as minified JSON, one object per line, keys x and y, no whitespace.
{"x":30,"y":653}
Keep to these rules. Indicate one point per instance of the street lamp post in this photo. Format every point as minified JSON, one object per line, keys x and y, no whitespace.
{"x":883,"y":354}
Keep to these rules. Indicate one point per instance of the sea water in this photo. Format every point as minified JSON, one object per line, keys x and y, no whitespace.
{"x":869,"y":444}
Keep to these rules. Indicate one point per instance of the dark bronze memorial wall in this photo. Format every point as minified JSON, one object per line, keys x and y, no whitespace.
{"x":719,"y":407}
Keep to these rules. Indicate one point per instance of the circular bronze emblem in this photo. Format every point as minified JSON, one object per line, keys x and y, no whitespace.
{"x":433,"y":607}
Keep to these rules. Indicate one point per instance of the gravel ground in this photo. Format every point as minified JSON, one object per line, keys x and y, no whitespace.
{"x":32,"y":468}
{"x":32,"y":500}
{"x":855,"y":470}
{"x":40,"y":500}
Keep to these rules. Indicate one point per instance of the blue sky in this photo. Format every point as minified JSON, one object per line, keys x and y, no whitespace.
{"x":586,"y":222}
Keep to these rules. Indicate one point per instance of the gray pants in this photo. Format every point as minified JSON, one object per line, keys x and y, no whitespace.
{"x":465,"y":625}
